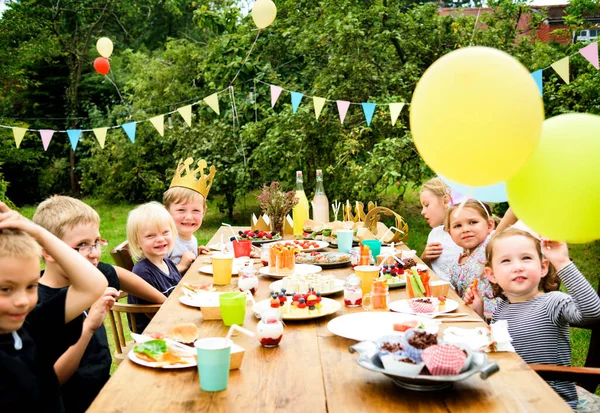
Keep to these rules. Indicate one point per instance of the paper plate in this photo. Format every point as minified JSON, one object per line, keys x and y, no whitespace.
{"x":300,"y":269}
{"x":338,"y":287}
{"x":401,"y":306}
{"x":207,"y":299}
{"x":329,"y":307}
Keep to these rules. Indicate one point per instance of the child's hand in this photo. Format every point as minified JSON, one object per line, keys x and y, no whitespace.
{"x":100,"y":309}
{"x":432,"y":251}
{"x":474,"y":299}
{"x":187,"y":258}
{"x":556,"y":252}
{"x":14,"y":220}
{"x":203,"y":250}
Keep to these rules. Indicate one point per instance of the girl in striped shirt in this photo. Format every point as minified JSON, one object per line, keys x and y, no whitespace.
{"x":525,"y":276}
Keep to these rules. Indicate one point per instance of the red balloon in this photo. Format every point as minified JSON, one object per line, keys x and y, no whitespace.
{"x":101,"y":65}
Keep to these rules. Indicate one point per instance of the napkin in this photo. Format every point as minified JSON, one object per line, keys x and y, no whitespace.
{"x":492,"y":338}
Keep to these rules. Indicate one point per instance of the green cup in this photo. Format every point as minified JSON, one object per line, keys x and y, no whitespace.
{"x":375,"y":247}
{"x":233,"y":308}
{"x":213,"y":362}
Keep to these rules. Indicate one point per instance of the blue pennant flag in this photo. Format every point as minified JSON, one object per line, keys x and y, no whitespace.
{"x":74,"y":135}
{"x":129,"y":129}
{"x":296,"y":98}
{"x":537,"y":76}
{"x":369,"y":109}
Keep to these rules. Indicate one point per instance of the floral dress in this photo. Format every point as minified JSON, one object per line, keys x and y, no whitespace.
{"x":463,"y":275}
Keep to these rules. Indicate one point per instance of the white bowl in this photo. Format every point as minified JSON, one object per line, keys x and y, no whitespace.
{"x":393,"y":365}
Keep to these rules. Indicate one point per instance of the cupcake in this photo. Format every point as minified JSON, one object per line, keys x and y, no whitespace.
{"x":445,"y":360}
{"x":394,"y":358}
{"x":422,"y":305}
{"x":415,"y":342}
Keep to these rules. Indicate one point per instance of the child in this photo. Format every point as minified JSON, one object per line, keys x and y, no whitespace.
{"x":28,"y":344}
{"x":440,"y":251}
{"x":150,"y":233}
{"x":470,"y":227}
{"x":85,"y":367}
{"x":186,"y":202}
{"x":538,"y":320}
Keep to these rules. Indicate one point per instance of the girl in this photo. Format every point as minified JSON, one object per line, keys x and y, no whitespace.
{"x":150,"y":233}
{"x":538,"y":316}
{"x":440,"y":251}
{"x":470,"y":227}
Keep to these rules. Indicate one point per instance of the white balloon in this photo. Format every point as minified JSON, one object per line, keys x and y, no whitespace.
{"x":104,"y":46}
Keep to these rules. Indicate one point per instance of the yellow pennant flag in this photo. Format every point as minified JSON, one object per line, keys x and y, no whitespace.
{"x":159,"y":124}
{"x":186,"y":114}
{"x":319,"y":103}
{"x":395,"y":109}
{"x":213,"y":102}
{"x":100,"y":135}
{"x":562,"y":68}
{"x":19,"y":133}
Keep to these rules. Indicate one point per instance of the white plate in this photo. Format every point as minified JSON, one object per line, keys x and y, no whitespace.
{"x":338,"y":287}
{"x":401,"y":306}
{"x":372,"y":325}
{"x":207,"y":299}
{"x":208,"y":269}
{"x":190,"y":362}
{"x":329,"y":307}
{"x":400,"y":283}
{"x":300,"y":269}
{"x":322,"y":245}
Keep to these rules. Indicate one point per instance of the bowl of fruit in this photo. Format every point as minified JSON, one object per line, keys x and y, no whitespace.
{"x":259,"y":237}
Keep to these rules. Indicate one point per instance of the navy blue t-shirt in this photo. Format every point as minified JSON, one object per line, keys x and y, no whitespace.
{"x":154,"y":276}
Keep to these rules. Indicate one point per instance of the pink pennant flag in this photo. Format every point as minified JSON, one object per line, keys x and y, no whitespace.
{"x":275,"y":92}
{"x":590,"y":52}
{"x":46,"y":135}
{"x":343,"y":106}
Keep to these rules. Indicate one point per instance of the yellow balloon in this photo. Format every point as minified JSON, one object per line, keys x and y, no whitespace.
{"x":263,"y":13}
{"x":557,"y":192}
{"x":476,"y":116}
{"x":104,"y":46}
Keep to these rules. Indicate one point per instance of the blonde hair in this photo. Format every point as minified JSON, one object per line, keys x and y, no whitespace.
{"x":437,"y":187}
{"x":145,"y":216}
{"x":550,"y":282}
{"x":482,"y":209}
{"x":59,"y":214}
{"x":18,"y":244}
{"x":178,"y":195}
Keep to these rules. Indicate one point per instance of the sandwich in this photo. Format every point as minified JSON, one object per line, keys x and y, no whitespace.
{"x":157,"y":351}
{"x":184,"y":333}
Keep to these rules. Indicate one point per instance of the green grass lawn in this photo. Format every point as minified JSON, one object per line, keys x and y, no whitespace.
{"x":114,"y":218}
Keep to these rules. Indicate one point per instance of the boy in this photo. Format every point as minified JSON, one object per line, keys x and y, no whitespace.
{"x":28,"y":345}
{"x":186,"y":202}
{"x":85,"y":367}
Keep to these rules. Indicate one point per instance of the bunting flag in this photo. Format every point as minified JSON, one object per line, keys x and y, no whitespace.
{"x":319,"y":103}
{"x":395,"y":109}
{"x":129,"y":129}
{"x":74,"y":135}
{"x":213,"y":102}
{"x":18,"y":134}
{"x":369,"y":109}
{"x":159,"y":124}
{"x":100,"y":135}
{"x":343,"y":106}
{"x":296,"y":98}
{"x":186,"y":114}
{"x":562,"y":68}
{"x":537,"y":77}
{"x":46,"y":135}
{"x":275,"y":92}
{"x":590,"y":52}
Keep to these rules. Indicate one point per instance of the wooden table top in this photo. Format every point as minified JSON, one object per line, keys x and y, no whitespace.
{"x":311,"y":371}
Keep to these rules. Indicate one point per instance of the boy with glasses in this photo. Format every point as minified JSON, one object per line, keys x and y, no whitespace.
{"x":85,"y":367}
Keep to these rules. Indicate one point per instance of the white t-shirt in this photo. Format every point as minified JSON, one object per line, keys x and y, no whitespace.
{"x":451,"y":252}
{"x":182,"y":246}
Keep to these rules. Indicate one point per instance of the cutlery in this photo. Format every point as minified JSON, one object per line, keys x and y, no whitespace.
{"x":442,"y":315}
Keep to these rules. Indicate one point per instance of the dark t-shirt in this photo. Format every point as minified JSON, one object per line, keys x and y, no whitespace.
{"x":94,"y":368}
{"x":156,"y":278}
{"x":27,"y":379}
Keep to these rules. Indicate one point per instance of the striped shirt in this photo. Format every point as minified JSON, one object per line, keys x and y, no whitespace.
{"x":540,"y":327}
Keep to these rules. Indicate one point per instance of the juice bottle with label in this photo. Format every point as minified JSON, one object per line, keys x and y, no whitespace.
{"x":300,"y":211}
{"x":320,"y":202}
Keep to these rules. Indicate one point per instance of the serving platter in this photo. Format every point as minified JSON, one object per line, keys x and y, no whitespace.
{"x":320,"y":245}
{"x":299,"y":269}
{"x":338,"y":287}
{"x":337,"y":259}
{"x":329,"y":307}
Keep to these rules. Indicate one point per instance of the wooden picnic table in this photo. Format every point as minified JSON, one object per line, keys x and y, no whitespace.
{"x":310,"y":371}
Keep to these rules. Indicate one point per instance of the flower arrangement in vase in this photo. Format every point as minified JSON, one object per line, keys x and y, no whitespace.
{"x":277,"y":203}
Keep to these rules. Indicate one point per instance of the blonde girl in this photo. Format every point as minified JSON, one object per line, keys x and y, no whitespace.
{"x":440,"y":251}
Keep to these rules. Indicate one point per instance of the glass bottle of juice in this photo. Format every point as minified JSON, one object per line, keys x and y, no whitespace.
{"x":300,"y":211}
{"x":320,"y":202}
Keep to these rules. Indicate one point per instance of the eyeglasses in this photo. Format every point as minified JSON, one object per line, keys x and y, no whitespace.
{"x":85,"y":249}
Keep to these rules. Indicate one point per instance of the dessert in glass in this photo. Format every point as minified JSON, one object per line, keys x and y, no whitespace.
{"x":247,"y":280}
{"x":269,"y":329}
{"x":352,"y":291}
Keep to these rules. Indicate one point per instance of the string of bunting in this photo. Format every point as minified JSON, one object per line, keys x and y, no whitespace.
{"x":561,"y":67}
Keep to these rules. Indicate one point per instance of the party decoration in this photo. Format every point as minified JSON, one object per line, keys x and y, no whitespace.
{"x":74,"y":135}
{"x":319,"y":103}
{"x":213,"y":102}
{"x":186,"y":114}
{"x":537,"y":77}
{"x":491,"y":193}
{"x":264,"y":13}
{"x":590,"y":52}
{"x":129,"y":129}
{"x":102,"y":65}
{"x":100,"y":134}
{"x":18,"y":133}
{"x":476,"y":116}
{"x":557,"y":192}
{"x":562,"y":68}
{"x":368,"y":109}
{"x":104,"y":46}
{"x":275,"y":92}
{"x":395,"y":109}
{"x":159,"y":124}
{"x":342,"y":106}
{"x":46,"y":135}
{"x":296,"y":98}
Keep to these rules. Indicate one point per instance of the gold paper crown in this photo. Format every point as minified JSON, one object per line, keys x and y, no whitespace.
{"x":185,"y":178}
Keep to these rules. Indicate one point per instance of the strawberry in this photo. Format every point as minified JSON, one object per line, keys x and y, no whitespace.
{"x":269,"y":236}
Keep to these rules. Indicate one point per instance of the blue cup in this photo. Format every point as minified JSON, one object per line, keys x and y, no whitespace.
{"x":344,"y":240}
{"x":375,"y":247}
{"x":214,"y":354}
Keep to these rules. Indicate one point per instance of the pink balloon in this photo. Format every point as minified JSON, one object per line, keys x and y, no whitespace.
{"x":102,"y":65}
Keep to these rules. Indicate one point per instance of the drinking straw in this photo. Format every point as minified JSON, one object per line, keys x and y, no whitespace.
{"x":232,"y":231}
{"x":249,"y":295}
{"x":240,"y":329}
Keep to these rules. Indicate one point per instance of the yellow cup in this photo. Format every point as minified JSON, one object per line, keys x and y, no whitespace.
{"x":222,"y":268}
{"x":366,"y":273}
